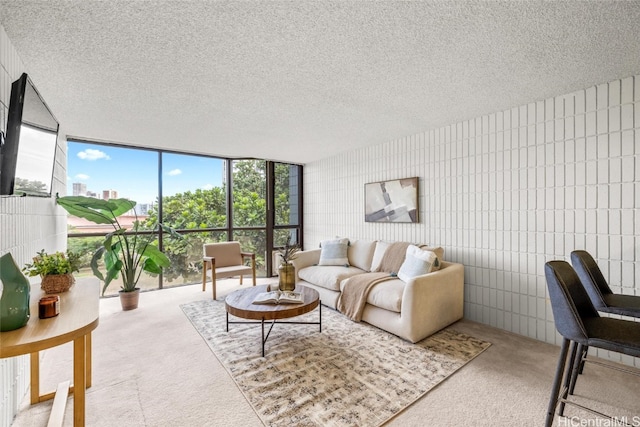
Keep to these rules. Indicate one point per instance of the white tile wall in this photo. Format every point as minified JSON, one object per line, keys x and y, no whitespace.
{"x":504,"y":193}
{"x":27,"y":224}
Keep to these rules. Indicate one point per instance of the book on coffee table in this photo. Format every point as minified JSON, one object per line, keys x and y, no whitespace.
{"x":278,"y":297}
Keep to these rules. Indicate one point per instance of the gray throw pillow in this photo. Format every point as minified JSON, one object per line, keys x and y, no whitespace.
{"x":334,"y":252}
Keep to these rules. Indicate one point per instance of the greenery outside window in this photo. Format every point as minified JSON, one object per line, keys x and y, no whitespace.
{"x":206,"y":199}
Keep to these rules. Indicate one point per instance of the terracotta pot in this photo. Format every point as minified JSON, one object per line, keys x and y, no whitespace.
{"x":287,"y":273}
{"x":129,"y":300}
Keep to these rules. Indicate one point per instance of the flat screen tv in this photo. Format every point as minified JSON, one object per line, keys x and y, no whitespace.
{"x":27,"y":155}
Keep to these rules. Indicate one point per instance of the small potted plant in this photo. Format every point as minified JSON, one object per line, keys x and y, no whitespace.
{"x":56,"y":270}
{"x":286,"y":270}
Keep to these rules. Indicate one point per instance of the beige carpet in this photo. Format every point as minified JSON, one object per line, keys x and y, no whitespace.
{"x":349,"y":374}
{"x":151,"y":368}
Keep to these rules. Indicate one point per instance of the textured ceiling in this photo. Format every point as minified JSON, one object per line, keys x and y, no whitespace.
{"x":303,"y":80}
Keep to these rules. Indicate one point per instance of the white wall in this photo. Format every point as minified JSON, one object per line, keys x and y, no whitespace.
{"x":503,"y":194}
{"x":27,"y":225}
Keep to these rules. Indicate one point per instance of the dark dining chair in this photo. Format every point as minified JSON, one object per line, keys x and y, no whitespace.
{"x":580,"y":325}
{"x":600,"y":293}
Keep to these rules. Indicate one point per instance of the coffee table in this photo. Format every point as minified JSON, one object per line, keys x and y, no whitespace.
{"x":240,"y":304}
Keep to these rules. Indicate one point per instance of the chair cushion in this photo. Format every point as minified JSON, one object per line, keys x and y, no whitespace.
{"x":334,"y":252}
{"x":232,"y":271}
{"x":225,"y":253}
{"x":327,"y":276}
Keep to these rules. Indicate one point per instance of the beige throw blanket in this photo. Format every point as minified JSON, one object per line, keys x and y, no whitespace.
{"x":393,"y":257}
{"x":354,"y":295}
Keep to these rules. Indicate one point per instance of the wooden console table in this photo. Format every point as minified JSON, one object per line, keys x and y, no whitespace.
{"x":79,"y":312}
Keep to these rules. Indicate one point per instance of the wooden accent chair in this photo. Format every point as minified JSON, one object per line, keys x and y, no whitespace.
{"x":225,"y":259}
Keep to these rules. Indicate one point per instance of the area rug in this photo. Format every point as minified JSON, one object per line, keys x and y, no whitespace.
{"x":349,"y":374}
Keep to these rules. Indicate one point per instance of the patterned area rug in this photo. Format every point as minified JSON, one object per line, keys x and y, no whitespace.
{"x":349,"y":374}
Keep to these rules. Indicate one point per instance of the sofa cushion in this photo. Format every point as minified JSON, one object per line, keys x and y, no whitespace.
{"x":378,"y":253}
{"x":327,"y":276}
{"x":439,"y":251}
{"x":387,"y":294}
{"x":334,"y":252}
{"x":360,"y":253}
{"x":417,"y":262}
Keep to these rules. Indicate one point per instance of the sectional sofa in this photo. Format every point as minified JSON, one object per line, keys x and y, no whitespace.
{"x":410,"y":291}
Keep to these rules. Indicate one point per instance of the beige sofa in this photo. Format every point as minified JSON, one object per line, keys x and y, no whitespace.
{"x":411,"y":310}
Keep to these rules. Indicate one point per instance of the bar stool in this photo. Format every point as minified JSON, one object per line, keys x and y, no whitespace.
{"x":581,"y":326}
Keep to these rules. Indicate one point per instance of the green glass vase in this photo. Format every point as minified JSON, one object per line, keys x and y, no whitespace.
{"x":14,"y":302}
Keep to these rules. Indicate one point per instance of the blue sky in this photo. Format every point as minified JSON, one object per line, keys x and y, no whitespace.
{"x":133,"y":173}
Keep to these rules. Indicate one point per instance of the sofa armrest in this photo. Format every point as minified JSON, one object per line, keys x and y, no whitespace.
{"x":306,"y":259}
{"x":435,"y":300}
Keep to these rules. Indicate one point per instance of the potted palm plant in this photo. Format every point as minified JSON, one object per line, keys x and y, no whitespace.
{"x":124,"y":252}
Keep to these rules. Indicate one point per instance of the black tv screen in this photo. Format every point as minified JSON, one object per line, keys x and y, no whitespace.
{"x":27,"y":156}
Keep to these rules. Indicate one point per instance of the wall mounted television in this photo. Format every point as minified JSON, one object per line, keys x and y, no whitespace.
{"x":27,"y":155}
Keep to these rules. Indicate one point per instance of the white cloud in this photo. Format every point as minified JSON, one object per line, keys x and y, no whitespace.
{"x":175,"y":172}
{"x":207,"y":186}
{"x":82,"y":176}
{"x":90,"y":154}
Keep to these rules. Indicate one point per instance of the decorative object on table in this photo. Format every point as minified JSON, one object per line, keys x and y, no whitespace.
{"x":278,"y":297}
{"x":351,"y":374}
{"x":14,"y":299}
{"x":391,"y":201}
{"x":286,"y":270}
{"x":56,"y":270}
{"x":124,"y":252}
{"x":49,"y":307}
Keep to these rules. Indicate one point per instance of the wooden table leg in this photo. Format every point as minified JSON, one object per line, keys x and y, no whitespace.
{"x":79,"y":380}
{"x":35,"y":377}
{"x":87,"y":361}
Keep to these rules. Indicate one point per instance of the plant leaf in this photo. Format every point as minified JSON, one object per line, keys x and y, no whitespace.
{"x":95,"y":210}
{"x":154,"y":254}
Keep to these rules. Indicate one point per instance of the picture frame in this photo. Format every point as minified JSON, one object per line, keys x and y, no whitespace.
{"x":393,"y":200}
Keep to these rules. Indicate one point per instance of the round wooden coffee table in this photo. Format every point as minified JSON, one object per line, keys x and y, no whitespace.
{"x":240,"y":304}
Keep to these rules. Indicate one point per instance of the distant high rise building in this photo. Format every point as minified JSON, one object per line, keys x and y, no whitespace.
{"x":109,"y":194}
{"x":142,"y":209}
{"x":79,"y":189}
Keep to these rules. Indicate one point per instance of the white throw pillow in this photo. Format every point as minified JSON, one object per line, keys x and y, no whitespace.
{"x":334,"y":252}
{"x":416,"y":263}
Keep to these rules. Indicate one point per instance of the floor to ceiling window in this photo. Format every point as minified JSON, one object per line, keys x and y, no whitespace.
{"x":287,"y":182}
{"x":249,"y":213}
{"x":206,"y":199}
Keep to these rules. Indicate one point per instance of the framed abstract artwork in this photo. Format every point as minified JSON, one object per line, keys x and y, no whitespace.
{"x":391,"y":201}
